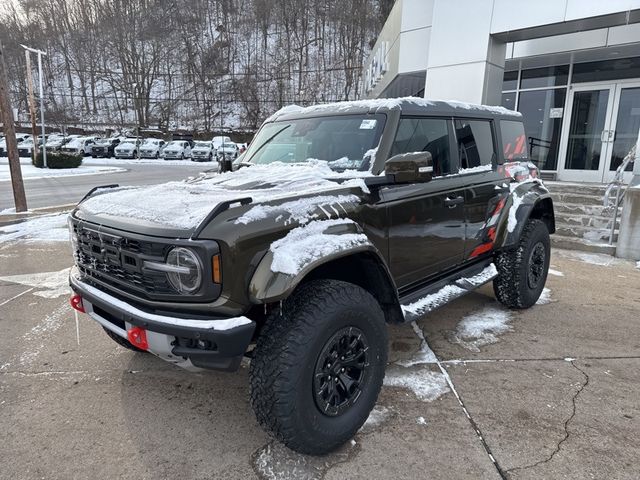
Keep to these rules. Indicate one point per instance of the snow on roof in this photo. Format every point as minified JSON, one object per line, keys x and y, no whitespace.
{"x":185,"y":204}
{"x":392,"y":103}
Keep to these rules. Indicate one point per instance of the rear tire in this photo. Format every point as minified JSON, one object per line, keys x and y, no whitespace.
{"x":326,"y":328}
{"x":122,"y":342}
{"x":522,"y":271}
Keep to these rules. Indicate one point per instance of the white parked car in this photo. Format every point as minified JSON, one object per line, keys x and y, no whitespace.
{"x":80,"y":146}
{"x":152,"y":148}
{"x":55,"y":142}
{"x":25,"y":147}
{"x":177,"y":150}
{"x":202,"y":152}
{"x":218,"y":141}
{"x":228,"y":151}
{"x":128,"y":148}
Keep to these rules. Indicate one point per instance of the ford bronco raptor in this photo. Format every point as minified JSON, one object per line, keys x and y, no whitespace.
{"x":338,"y":220}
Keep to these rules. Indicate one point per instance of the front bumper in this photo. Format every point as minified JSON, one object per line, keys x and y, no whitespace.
{"x":224,"y":340}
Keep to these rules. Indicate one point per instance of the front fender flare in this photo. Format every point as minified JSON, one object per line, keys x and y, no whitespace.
{"x":267,"y":286}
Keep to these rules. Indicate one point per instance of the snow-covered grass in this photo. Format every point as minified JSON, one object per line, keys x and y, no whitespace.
{"x":481,"y":328}
{"x":29,"y":172}
{"x":47,"y":228}
{"x":46,"y":284}
{"x":302,"y":245}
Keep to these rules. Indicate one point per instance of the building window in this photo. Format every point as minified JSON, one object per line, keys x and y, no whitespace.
{"x":475,"y":143}
{"x":425,"y":135}
{"x":545,"y":77}
{"x":542,"y":112}
{"x":510,"y":80}
{"x":606,"y":70}
{"x":509,"y":100}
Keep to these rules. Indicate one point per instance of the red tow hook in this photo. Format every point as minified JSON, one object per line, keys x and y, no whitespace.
{"x":138,"y":338}
{"x":76,"y":303}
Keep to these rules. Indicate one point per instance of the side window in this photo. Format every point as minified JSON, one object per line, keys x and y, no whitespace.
{"x":513,"y":141}
{"x":475,"y":143}
{"x":425,"y":135}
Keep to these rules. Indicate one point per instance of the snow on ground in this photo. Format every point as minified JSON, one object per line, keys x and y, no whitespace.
{"x":378,"y":416}
{"x":148,"y":161}
{"x":425,"y":384}
{"x":47,"y":228}
{"x":481,"y":328}
{"x":36,"y":337}
{"x":46,"y":284}
{"x":638,"y":265}
{"x":303,"y":245}
{"x":592,"y":258}
{"x":185,"y":204}
{"x":556,"y":273}
{"x":545,"y":297}
{"x":421,"y":421}
{"x":29,"y":172}
{"x":424,"y":353}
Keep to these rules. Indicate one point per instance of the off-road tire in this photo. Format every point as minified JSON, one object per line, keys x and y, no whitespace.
{"x":122,"y":342}
{"x":512,"y":286}
{"x":287,"y":355}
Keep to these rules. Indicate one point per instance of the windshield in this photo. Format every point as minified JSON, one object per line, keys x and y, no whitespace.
{"x":151,"y":141}
{"x":202,"y":145}
{"x":175,"y":143}
{"x":341,"y":140}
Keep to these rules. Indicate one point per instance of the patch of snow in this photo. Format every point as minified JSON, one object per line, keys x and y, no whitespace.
{"x":421,"y":421}
{"x":35,"y":337}
{"x":557,"y":273}
{"x":302,"y":245}
{"x":481,"y":328}
{"x":47,"y":284}
{"x":29,"y":172}
{"x":599,"y":259}
{"x":301,"y":211}
{"x":377,"y":416}
{"x":478,"y":169}
{"x":47,"y":228}
{"x":638,"y":265}
{"x":569,"y":359}
{"x":425,"y":384}
{"x":545,"y":297}
{"x":424,"y":354}
{"x":433,"y":300}
{"x":186,"y":204}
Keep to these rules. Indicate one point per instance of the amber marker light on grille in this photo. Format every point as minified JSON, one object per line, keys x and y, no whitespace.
{"x":215,"y":269}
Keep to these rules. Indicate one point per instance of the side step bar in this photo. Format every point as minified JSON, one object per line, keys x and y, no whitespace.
{"x":420,"y":303}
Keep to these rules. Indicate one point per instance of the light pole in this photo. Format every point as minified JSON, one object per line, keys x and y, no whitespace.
{"x":40,"y":53}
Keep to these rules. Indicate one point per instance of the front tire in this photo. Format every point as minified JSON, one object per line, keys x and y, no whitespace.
{"x":318,"y":366}
{"x":522,"y":271}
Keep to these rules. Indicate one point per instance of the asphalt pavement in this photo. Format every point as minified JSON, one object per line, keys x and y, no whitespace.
{"x":46,"y":192}
{"x":549,"y":392}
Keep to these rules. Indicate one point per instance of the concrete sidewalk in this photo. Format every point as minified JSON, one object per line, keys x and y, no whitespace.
{"x":551,"y":392}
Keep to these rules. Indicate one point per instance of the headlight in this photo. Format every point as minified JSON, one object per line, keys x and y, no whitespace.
{"x":186,"y":274}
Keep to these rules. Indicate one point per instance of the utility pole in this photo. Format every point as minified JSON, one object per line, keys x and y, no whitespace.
{"x":40,"y":53}
{"x":6,"y":112}
{"x":32,"y":108}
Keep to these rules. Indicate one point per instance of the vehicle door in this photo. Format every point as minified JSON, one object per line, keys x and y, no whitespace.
{"x":483,"y":186}
{"x":426,"y":220}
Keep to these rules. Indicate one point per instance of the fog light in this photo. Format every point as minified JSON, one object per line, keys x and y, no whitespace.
{"x":76,"y":303}
{"x":138,"y":338}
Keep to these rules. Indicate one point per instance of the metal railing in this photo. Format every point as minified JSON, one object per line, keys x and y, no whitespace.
{"x":618,"y":184}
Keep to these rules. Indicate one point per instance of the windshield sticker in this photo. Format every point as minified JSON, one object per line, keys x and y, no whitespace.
{"x":368,"y":124}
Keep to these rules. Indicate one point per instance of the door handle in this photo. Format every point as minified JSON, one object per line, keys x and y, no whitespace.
{"x":452,"y":202}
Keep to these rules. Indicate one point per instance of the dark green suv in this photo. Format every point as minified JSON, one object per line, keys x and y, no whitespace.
{"x":338,"y":220}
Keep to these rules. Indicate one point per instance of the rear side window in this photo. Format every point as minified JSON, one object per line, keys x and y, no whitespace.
{"x":475,"y":143}
{"x":514,"y":141}
{"x":425,"y":135}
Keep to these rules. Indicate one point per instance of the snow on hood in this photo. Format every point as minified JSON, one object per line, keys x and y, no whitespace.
{"x":185,"y":204}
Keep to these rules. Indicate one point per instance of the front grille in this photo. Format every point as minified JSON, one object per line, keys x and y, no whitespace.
{"x":118,"y":261}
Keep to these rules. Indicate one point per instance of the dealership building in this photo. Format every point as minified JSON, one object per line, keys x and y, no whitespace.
{"x":572,"y":67}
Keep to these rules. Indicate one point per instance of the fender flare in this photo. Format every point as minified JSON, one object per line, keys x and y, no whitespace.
{"x":267,"y":286}
{"x":526,"y":198}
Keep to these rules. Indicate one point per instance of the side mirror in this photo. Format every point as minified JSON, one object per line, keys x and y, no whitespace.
{"x":411,"y":167}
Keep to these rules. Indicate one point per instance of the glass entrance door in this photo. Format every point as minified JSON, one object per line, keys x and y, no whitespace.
{"x":599,"y":130}
{"x":587,"y":126}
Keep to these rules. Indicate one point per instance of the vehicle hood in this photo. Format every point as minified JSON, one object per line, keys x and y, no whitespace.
{"x":277,"y":191}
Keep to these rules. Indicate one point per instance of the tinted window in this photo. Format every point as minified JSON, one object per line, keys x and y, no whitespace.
{"x":514,"y":141}
{"x":606,"y":70}
{"x":475,"y":143}
{"x":510,"y":80}
{"x":545,"y":77}
{"x":509,"y":100}
{"x":425,"y":135}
